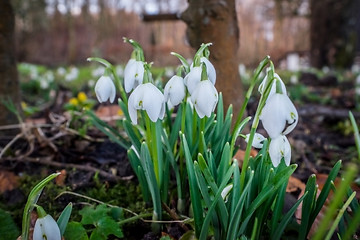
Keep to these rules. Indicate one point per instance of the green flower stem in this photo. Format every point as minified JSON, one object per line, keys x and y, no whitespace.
{"x":151,"y":142}
{"x":119,"y":86}
{"x":255,"y":124}
{"x":202,"y":48}
{"x":254,"y":80}
{"x":201,"y":131}
{"x":194,"y":126}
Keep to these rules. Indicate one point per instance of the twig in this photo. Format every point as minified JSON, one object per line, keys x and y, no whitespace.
{"x":18,"y":136}
{"x":46,"y":161}
{"x":174,"y":216}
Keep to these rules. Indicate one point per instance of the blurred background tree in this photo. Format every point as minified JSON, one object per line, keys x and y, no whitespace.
{"x":216,"y":21}
{"x":334,"y":32}
{"x":9,"y":84}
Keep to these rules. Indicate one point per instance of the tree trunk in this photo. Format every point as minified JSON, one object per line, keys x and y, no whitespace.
{"x":9,"y":85}
{"x":332,"y":33}
{"x":215,"y":21}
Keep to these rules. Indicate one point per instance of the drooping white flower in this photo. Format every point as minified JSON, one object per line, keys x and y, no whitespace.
{"x":280,"y":148}
{"x":273,"y":86}
{"x":226,"y":192}
{"x":133,"y":74}
{"x":204,"y":98}
{"x":105,"y":89}
{"x":174,"y":90}
{"x":46,"y":229}
{"x":211,"y":72}
{"x":149,"y":98}
{"x":193,"y":78}
{"x":257,"y":141}
{"x":279,"y":115}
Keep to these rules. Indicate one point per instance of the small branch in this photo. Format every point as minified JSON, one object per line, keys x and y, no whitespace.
{"x":47,"y":161}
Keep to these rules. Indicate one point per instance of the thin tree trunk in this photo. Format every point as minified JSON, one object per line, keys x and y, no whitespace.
{"x":215,"y":21}
{"x":9,"y":85}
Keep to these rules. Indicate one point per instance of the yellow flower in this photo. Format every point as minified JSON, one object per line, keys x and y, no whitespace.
{"x":74,"y":101}
{"x":24,"y":105}
{"x":82,"y":97}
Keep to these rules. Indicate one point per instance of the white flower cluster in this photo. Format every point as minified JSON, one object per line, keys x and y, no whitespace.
{"x":146,"y":96}
{"x":279,"y":117}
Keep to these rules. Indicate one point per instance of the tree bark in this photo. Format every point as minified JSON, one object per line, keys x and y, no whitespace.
{"x":332,"y":33}
{"x":9,"y":84}
{"x":215,"y":21}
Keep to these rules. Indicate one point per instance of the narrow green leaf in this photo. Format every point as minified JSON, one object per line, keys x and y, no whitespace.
{"x":356,"y":133}
{"x":307,"y":207}
{"x":335,"y":203}
{"x":32,"y":200}
{"x":64,"y":218}
{"x":238,"y":212}
{"x":339,"y":216}
{"x":325,"y":191}
{"x":286,"y":219}
{"x":194,"y":191}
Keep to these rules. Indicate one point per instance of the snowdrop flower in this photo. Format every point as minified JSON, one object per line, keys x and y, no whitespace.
{"x":192,"y":79}
{"x":46,"y":229}
{"x":204,"y":98}
{"x":149,"y":98}
{"x":174,"y":90}
{"x":226,"y":192}
{"x":97,"y":72}
{"x":280,"y":148}
{"x":257,"y":141}
{"x":72,"y":75}
{"x":105,"y":89}
{"x":133,"y":74}
{"x":279,"y":115}
{"x":211,"y":72}
{"x":273,"y":86}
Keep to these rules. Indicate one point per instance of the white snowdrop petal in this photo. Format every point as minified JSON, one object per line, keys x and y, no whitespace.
{"x":152,"y":101}
{"x":192,"y":79}
{"x":46,"y":228}
{"x":257,"y":141}
{"x":272,"y":116}
{"x":129,"y":75}
{"x":139,"y":74}
{"x":204,"y":98}
{"x":292,"y":117}
{"x":105,"y":89}
{"x":280,"y":148}
{"x":211,"y":72}
{"x":175,"y":90}
{"x":131,"y":108}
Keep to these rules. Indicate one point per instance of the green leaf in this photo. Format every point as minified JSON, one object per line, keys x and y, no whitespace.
{"x":91,"y":215}
{"x":194,"y":190}
{"x":32,"y":199}
{"x":307,"y":207}
{"x":64,"y":218}
{"x":75,"y":231}
{"x":104,"y":227}
{"x":8,"y":228}
{"x":356,"y":133}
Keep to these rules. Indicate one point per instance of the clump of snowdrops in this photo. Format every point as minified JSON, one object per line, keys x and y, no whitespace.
{"x":181,"y":132}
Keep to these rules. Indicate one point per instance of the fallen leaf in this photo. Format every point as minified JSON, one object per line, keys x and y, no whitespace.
{"x":8,"y":181}
{"x":295,"y":184}
{"x":240,"y":155}
{"x":60,"y":180}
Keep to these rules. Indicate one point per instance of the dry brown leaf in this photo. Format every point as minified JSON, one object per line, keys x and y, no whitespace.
{"x":8,"y":181}
{"x":295,"y":184}
{"x":240,"y":155}
{"x":60,"y":180}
